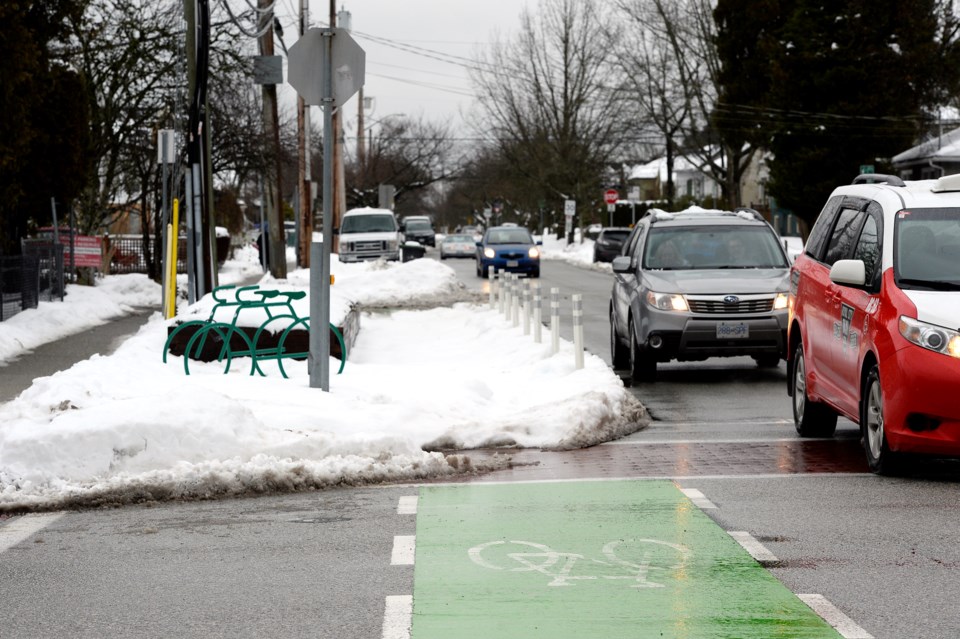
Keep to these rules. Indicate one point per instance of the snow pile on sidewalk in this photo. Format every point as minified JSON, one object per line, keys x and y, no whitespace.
{"x":419,"y":389}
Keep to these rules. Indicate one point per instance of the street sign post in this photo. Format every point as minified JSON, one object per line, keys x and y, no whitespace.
{"x":610,"y":196}
{"x":326,"y":67}
{"x":569,"y":210}
{"x":307,"y":70}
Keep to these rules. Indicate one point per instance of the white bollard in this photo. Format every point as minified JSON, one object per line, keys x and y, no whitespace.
{"x":578,"y":330}
{"x":516,"y":301}
{"x":526,"y":307}
{"x":537,"y":303}
{"x":492,"y":276}
{"x":555,"y":320}
{"x":505,"y":289}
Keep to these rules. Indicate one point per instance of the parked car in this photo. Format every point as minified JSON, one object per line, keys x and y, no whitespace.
{"x":609,"y":242}
{"x":698,"y":284}
{"x":508,"y":248}
{"x":875,"y":325}
{"x":418,"y":228}
{"x":459,"y":245}
{"x":369,"y":234}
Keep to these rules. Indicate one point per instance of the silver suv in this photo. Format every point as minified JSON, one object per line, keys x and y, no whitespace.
{"x":698,"y":284}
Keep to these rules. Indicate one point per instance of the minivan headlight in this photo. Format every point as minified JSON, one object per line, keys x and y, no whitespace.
{"x":930,"y":336}
{"x":667,"y":301}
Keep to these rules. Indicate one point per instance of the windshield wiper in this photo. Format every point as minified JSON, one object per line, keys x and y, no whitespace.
{"x":934,"y":285}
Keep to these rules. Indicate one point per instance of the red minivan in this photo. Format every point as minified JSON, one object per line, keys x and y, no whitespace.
{"x":874,"y":326}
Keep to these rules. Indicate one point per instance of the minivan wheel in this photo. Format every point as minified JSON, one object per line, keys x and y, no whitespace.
{"x":643,"y":368}
{"x":812,"y":419}
{"x":619,"y":354}
{"x":880,"y":458}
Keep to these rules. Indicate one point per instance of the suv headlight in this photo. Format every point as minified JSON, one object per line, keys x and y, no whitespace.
{"x":667,"y":301}
{"x":930,"y":336}
{"x":780,"y":302}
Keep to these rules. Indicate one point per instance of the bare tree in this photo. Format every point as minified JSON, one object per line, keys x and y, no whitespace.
{"x":410,"y":154}
{"x":683,"y":38}
{"x":128,"y":53}
{"x":651,"y":78}
{"x":545,"y":98}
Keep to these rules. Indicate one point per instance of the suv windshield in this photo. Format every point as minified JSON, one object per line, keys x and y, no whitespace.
{"x":509,"y":236}
{"x":418,"y":225}
{"x":928,"y":247}
{"x":712,"y":247}
{"x":381,"y":223}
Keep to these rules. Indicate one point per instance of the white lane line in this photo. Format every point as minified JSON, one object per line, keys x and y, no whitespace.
{"x":407,"y":505}
{"x":832,"y":615}
{"x":397,"y":617}
{"x":757,"y":550}
{"x":16,"y":530}
{"x":404,"y":547}
{"x":697,"y":498}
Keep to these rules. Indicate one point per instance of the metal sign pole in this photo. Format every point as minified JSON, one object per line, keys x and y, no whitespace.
{"x":320,"y":285}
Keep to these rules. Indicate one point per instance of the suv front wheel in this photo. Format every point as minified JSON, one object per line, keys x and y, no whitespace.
{"x":619,"y":355}
{"x":811,"y":418}
{"x":643,"y":367}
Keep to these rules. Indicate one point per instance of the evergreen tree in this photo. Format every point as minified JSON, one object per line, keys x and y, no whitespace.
{"x":828,"y":87}
{"x":850,"y":85}
{"x":43,"y":129}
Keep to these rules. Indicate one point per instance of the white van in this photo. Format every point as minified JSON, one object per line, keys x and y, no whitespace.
{"x":369,"y":234}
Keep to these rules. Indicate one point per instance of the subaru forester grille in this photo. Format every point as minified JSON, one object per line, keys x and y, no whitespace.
{"x":718,"y":306}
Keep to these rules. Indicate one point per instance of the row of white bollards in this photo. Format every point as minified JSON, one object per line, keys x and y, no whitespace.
{"x":515,"y":301}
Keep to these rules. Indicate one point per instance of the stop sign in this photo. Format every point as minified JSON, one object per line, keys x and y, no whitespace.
{"x":610,"y":196}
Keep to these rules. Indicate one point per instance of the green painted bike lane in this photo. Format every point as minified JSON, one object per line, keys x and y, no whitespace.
{"x":590,"y":559}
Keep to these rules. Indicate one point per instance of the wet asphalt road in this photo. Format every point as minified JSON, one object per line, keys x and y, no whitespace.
{"x":885,"y":551}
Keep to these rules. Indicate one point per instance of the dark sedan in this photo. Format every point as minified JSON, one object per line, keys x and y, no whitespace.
{"x":508,"y":248}
{"x":609,"y":242}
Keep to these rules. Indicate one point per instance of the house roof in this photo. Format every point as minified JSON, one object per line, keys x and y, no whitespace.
{"x":942,"y":147}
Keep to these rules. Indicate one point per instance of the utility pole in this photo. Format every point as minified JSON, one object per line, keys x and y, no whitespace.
{"x":200,"y":263}
{"x":303,"y":158}
{"x":361,"y":157}
{"x":339,"y":185}
{"x":277,"y":248}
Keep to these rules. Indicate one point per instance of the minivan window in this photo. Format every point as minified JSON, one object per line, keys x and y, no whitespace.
{"x":927,"y":243}
{"x":821,"y":229}
{"x":868,"y":249}
{"x":844,"y":235}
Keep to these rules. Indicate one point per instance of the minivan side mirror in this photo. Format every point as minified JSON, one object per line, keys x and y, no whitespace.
{"x":849,"y":273}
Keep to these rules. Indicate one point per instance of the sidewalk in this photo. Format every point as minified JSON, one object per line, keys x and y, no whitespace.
{"x":18,"y":375}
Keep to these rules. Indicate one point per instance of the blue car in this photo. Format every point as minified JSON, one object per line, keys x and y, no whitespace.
{"x":508,"y":248}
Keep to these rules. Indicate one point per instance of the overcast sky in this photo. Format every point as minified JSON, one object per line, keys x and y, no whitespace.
{"x":416,"y":50}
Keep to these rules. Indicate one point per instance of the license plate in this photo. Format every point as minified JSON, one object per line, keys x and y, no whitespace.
{"x":734,"y":330}
{"x":513,"y":263}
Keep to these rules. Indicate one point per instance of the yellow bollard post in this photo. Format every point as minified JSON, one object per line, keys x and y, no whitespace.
{"x":172,"y":260}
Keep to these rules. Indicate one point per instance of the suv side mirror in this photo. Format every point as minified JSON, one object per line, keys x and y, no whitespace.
{"x":621,"y":264}
{"x":849,"y":273}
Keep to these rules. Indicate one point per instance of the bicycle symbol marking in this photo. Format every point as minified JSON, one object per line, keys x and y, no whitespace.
{"x":636,"y":557}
